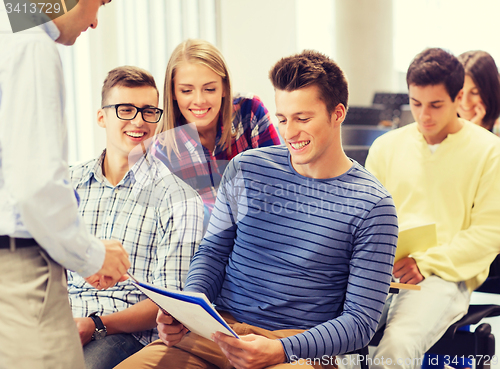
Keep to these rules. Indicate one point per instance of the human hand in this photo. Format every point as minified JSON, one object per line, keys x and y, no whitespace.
{"x":407,"y":271}
{"x":250,"y":351}
{"x":480,"y":112}
{"x":86,"y":329}
{"x":116,"y":264}
{"x":169,"y":329}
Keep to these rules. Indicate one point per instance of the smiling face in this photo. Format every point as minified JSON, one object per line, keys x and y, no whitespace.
{"x":435,"y":113}
{"x":470,"y":99}
{"x":311,"y":134}
{"x":123,"y":135}
{"x":198,"y":91}
{"x":78,"y":20}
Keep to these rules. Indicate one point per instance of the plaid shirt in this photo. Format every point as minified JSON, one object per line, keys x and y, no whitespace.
{"x":139,"y":212}
{"x":202,"y":170}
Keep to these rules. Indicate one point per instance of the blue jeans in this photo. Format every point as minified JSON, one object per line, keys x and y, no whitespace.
{"x":110,"y":351}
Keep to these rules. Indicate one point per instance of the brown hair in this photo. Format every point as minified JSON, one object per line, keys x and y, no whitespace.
{"x":312,"y":68}
{"x":481,"y":67}
{"x":434,"y":66}
{"x":196,"y":52}
{"x":126,"y":76}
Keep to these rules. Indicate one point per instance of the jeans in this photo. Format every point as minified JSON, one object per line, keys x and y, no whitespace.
{"x":110,"y":351}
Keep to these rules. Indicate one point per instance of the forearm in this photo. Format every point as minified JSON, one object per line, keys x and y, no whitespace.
{"x":138,"y":317}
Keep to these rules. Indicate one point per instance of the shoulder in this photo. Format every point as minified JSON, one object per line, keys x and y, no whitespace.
{"x":80,"y":172}
{"x":269,"y":157}
{"x":364,"y":184}
{"x":33,"y":48}
{"x":248,"y":99}
{"x":249,"y":107}
{"x":397,"y":140}
{"x":34,"y":38}
{"x":479,"y":136}
{"x":276,"y":153}
{"x":404,"y":133}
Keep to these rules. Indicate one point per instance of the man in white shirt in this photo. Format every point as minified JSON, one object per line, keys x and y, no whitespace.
{"x":40,"y":229}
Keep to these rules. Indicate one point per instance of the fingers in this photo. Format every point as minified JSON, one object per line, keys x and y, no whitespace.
{"x":170,"y":330}
{"x":226,"y":343}
{"x":172,"y":339}
{"x":93,"y":280}
{"x":400,"y":267}
{"x":115,"y":266}
{"x":407,"y":271}
{"x":163,"y":317}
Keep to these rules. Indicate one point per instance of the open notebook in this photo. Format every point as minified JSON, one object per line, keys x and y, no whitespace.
{"x":192,"y":309}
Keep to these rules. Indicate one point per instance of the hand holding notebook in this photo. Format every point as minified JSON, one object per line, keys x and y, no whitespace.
{"x":192,"y":309}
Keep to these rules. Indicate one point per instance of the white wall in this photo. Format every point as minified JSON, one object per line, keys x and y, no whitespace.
{"x":363,"y":30}
{"x":255,"y":35}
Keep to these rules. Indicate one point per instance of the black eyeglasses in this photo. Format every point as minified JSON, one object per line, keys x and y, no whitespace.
{"x":129,"y":112}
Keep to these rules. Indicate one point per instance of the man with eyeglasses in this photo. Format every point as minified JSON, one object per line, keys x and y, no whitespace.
{"x":128,"y":195}
{"x":41,"y":232}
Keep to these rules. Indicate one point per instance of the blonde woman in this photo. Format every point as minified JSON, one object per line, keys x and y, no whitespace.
{"x":198,"y":90}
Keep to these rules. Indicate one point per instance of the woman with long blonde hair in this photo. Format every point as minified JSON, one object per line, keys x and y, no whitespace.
{"x":198,"y":90}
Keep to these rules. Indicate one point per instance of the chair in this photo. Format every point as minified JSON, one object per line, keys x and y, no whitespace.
{"x":405,"y":117}
{"x":392,"y":104}
{"x":364,"y":115}
{"x":457,"y":343}
{"x":481,"y":342}
{"x":356,"y":140}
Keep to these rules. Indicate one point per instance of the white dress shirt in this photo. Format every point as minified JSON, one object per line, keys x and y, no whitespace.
{"x":36,"y":196}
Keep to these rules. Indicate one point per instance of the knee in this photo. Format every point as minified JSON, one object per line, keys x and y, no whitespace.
{"x":399,"y":348}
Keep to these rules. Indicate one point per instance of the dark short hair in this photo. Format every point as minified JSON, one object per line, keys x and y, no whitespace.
{"x":312,"y":68}
{"x":481,"y":67}
{"x":126,"y":76}
{"x":435,"y":66}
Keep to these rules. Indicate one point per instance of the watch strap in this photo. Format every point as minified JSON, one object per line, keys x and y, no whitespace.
{"x":97,"y":321}
{"x":100,"y":328}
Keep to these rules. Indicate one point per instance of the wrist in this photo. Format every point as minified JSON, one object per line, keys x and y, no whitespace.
{"x":100,"y":329}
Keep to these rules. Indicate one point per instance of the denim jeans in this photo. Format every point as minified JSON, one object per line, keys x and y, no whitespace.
{"x":110,"y":351}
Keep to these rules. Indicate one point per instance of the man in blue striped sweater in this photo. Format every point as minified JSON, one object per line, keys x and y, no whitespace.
{"x":299,"y":251}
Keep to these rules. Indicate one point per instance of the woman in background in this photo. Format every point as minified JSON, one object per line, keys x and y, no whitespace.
{"x":198,"y":90}
{"x":480,"y":102}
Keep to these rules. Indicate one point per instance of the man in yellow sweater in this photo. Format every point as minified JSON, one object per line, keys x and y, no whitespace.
{"x":443,"y":170}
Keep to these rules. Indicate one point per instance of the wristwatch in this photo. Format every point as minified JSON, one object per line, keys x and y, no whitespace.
{"x":100,"y":329}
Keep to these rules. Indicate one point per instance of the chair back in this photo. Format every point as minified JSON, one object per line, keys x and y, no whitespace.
{"x":364,"y":115}
{"x":356,"y":140}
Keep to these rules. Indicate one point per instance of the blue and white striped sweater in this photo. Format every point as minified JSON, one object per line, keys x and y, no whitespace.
{"x":284,"y":251}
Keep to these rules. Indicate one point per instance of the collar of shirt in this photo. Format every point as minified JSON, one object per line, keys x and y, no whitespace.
{"x":141,"y":171}
{"x":191,"y":143}
{"x":51,"y":29}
